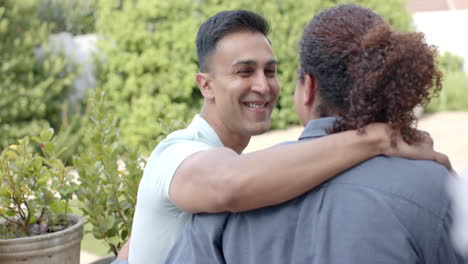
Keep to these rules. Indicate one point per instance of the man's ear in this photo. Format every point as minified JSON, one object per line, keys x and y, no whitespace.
{"x":309,"y":89}
{"x":204,"y":83}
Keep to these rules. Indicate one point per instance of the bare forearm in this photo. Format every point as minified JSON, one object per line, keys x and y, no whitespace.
{"x":123,"y":253}
{"x":279,"y":174}
{"x":221,"y":180}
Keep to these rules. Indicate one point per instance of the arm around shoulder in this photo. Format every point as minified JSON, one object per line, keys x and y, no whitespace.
{"x":219,"y":180}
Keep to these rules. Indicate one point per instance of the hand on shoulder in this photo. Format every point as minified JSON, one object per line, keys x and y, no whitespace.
{"x":393,"y":144}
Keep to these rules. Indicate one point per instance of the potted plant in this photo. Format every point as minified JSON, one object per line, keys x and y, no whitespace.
{"x":35,"y":187}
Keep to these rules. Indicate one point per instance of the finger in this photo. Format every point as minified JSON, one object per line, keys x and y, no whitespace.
{"x":426,"y":138}
{"x":444,"y":160}
{"x":430,"y":140}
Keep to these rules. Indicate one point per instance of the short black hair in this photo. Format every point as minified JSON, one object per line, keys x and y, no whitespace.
{"x":223,"y":23}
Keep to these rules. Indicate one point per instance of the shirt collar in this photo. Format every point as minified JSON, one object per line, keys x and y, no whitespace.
{"x":317,"y":128}
{"x":205,"y":131}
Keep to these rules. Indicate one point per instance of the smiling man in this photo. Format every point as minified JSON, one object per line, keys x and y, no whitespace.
{"x":200,"y":169}
{"x":240,"y":88}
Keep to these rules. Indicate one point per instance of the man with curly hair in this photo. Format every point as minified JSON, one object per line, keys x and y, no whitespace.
{"x":354,"y":70}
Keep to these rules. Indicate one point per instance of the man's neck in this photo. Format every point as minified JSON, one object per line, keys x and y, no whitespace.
{"x":229,"y":139}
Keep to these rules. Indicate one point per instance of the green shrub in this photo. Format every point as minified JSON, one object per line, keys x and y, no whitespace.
{"x":32,"y":91}
{"x":149,"y":69}
{"x":73,"y":16}
{"x":449,"y":62}
{"x":109,"y":174}
{"x":454,"y":94}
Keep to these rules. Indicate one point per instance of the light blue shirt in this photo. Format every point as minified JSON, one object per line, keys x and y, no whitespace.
{"x":385,"y":210}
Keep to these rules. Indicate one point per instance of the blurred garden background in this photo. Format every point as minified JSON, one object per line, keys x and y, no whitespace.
{"x":113,"y":77}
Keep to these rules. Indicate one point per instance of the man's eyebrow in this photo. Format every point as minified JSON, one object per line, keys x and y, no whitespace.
{"x":253,"y":62}
{"x":244,"y":62}
{"x":272,"y":61}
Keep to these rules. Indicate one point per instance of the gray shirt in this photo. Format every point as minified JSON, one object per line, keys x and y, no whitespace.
{"x":385,"y":210}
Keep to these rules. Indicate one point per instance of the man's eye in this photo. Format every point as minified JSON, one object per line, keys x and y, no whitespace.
{"x":245,"y":71}
{"x":270,"y":72}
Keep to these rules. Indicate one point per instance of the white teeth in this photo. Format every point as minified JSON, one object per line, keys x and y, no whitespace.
{"x":254,"y":105}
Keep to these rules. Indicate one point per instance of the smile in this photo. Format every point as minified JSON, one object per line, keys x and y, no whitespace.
{"x":259,"y":107}
{"x":256,"y":106}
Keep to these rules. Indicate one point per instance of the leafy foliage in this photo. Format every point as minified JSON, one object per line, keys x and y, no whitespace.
{"x":148,"y":74}
{"x":33,"y":186}
{"x":109,"y":174}
{"x":450,"y":63}
{"x":74,"y":16}
{"x":454,"y":94}
{"x":32,"y":91}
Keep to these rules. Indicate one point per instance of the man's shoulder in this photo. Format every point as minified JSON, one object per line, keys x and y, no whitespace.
{"x":418,"y":182}
{"x":169,"y":154}
{"x":187,"y":137}
{"x":198,"y":134}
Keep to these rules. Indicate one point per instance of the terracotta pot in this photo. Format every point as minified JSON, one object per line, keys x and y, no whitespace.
{"x":105,"y":260}
{"x":62,"y":247}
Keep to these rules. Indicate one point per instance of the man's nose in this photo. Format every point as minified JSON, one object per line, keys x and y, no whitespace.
{"x":260,"y":84}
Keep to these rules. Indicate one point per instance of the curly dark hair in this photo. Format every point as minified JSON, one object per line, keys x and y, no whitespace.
{"x":366,"y":71}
